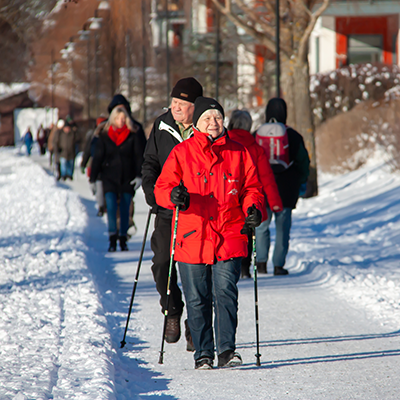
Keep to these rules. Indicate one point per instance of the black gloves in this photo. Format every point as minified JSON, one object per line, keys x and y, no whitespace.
{"x":253,"y":220}
{"x":180,"y":197}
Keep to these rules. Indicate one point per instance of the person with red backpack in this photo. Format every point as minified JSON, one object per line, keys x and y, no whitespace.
{"x":290,"y":162}
{"x":239,"y":130}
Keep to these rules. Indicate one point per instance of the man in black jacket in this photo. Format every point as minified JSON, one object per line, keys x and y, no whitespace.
{"x":169,"y":129}
{"x":288,"y":181}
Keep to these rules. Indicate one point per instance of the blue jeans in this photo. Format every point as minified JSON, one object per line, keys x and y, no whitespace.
{"x":66,"y":167}
{"x":112,"y":206}
{"x":283,"y":223}
{"x":203,"y":286}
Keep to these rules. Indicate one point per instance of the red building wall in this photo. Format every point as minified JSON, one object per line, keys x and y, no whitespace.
{"x":387,"y":26}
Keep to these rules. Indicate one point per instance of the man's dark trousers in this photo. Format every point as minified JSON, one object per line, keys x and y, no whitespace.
{"x":161,"y":245}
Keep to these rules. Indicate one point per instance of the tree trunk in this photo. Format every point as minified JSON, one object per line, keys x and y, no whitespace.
{"x":296,"y":92}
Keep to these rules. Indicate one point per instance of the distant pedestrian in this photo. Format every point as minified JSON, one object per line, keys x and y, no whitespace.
{"x":54,"y":160}
{"x":289,"y":181}
{"x":92,"y":138}
{"x":28,"y":140}
{"x":118,"y":157}
{"x":64,"y":149}
{"x":239,"y":130}
{"x":41,"y":139}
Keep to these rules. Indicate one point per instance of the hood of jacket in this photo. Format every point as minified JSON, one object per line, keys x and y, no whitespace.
{"x":242,"y":136}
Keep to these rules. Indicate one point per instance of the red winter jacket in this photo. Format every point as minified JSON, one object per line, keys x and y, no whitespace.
{"x":264,"y":170}
{"x":222,"y":181}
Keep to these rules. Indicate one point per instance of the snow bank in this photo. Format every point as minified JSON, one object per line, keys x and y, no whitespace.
{"x":349,"y":237}
{"x":55,"y":343}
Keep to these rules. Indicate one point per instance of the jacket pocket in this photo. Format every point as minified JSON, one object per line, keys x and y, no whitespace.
{"x":200,"y":181}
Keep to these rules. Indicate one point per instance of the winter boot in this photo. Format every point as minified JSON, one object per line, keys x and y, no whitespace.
{"x":173,"y":329}
{"x":262,"y":267}
{"x":122,"y":243}
{"x":280,"y":271}
{"x":113,"y":243}
{"x":229,"y":358}
{"x":203,"y":363}
{"x":188,"y":336}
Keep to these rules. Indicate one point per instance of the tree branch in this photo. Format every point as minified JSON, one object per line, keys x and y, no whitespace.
{"x":249,"y":29}
{"x":302,"y":52}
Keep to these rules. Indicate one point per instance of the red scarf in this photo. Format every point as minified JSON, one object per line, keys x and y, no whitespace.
{"x":118,"y":135}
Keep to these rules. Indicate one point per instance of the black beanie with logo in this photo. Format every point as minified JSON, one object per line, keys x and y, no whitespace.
{"x":188,"y":89}
{"x":203,"y":104}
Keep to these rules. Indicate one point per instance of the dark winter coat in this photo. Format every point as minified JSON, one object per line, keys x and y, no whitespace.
{"x":64,"y":144}
{"x":92,"y":137}
{"x":290,"y":180}
{"x":163,"y":138}
{"x":222,"y":181}
{"x":118,"y":165}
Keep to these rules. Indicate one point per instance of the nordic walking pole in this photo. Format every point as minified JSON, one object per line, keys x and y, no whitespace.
{"x":171,"y":262}
{"x":258,"y":355}
{"x":123,"y":343}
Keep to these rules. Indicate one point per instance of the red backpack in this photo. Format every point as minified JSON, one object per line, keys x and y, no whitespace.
{"x":273,"y":138}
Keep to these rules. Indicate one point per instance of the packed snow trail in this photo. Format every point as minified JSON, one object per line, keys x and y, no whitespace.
{"x":329,"y":330}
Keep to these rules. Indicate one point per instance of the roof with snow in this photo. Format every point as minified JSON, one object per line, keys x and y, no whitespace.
{"x":12,"y":89}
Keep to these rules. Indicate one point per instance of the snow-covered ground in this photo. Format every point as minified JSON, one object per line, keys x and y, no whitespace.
{"x":329,"y":330}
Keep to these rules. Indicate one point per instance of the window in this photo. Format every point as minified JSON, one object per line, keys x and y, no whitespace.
{"x":364,"y":49}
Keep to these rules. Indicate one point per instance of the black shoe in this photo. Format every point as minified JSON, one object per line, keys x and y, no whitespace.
{"x":262,"y":267}
{"x":100,"y":213}
{"x":280,"y":271}
{"x":122,"y":243}
{"x":204,"y":363}
{"x":245,"y":271}
{"x":173,"y":329}
{"x":229,"y":358}
{"x":188,"y":336}
{"x":113,"y":243}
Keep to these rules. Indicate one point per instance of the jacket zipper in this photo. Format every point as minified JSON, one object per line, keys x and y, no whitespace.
{"x":189,"y":233}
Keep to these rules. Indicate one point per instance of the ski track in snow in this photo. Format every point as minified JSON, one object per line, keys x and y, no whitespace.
{"x":329,"y":330}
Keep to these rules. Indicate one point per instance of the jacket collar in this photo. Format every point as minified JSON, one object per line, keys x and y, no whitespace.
{"x":204,"y":140}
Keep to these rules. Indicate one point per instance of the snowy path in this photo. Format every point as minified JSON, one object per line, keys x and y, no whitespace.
{"x":330,"y":330}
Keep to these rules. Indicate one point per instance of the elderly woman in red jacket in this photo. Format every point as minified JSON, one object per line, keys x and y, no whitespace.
{"x":214,"y":182}
{"x":239,"y":130}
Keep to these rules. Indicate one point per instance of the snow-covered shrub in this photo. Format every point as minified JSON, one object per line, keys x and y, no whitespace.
{"x":339,"y":91}
{"x":346,"y":141}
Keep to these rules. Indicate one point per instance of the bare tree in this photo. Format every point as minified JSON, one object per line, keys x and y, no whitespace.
{"x":297,"y":20}
{"x":19,"y":22}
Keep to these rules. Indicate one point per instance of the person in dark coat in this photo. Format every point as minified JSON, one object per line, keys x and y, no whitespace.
{"x":28,"y":140}
{"x":64,"y":149}
{"x":118,"y":157}
{"x":92,"y":137}
{"x":41,"y":139}
{"x":289,"y":182}
{"x":169,"y":129}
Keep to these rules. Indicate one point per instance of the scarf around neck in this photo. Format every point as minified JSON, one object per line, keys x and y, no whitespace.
{"x":118,"y":135}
